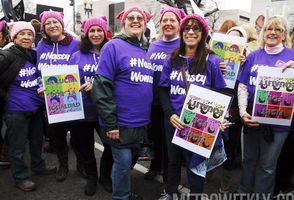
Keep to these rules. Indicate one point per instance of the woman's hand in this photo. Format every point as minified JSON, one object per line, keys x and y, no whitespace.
{"x":289,"y":64}
{"x":248,"y":120}
{"x":242,"y":59}
{"x":175,"y":121}
{"x":223,"y":67}
{"x":113,"y":134}
{"x":41,"y":91}
{"x":86,"y":87}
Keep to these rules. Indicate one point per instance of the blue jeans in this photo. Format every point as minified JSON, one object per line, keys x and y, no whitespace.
{"x":259,"y":163}
{"x":121,"y":180}
{"x":23,"y":127}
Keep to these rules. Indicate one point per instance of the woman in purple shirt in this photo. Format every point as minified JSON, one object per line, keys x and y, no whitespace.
{"x":122,"y":94}
{"x":201,"y":67}
{"x":262,"y":143}
{"x":93,"y":39}
{"x":23,"y":110}
{"x":56,"y":48}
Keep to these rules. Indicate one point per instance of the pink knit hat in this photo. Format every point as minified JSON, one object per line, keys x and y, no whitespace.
{"x":54,"y":14}
{"x":123,"y":15}
{"x":200,"y":19}
{"x":178,"y":12}
{"x":2,"y":24}
{"x":99,"y":21}
{"x":19,"y":26}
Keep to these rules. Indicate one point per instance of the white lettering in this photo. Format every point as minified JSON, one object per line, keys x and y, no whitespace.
{"x":177,"y":90}
{"x":252,"y":80}
{"x":138,"y":77}
{"x":27,"y":84}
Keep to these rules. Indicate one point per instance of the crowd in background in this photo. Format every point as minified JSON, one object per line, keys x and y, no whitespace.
{"x":137,"y":118}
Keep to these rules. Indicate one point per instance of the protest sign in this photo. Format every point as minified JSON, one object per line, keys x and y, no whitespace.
{"x":274,"y":96}
{"x":62,"y":96}
{"x":202,"y":114}
{"x":229,"y":48}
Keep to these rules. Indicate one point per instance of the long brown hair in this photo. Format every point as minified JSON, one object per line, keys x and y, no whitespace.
{"x":198,"y":62}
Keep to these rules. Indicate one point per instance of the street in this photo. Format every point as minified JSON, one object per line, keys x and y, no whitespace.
{"x":72,"y":187}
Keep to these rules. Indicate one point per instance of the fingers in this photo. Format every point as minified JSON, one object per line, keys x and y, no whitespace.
{"x":289,"y":64}
{"x":223,"y":67}
{"x":175,"y":121}
{"x":41,"y":91}
{"x":113,"y":134}
{"x":86,"y":87}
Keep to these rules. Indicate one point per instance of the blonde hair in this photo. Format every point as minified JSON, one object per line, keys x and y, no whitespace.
{"x":251,"y":32}
{"x":277,"y":22}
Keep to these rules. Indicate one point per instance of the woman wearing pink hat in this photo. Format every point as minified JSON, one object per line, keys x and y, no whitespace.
{"x":192,"y":59}
{"x":123,"y":73}
{"x":56,"y":48}
{"x":158,"y":50}
{"x":87,"y":58}
{"x":23,"y":108}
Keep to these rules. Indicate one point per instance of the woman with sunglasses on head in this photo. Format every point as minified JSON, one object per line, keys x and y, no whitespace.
{"x":82,"y":132}
{"x":201,"y":66}
{"x":122,"y":94}
{"x":262,"y":143}
{"x":56,"y":48}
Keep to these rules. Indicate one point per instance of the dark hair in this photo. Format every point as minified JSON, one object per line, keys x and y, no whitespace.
{"x":86,"y":45}
{"x":5,"y":33}
{"x":198,"y":63}
{"x":36,"y":24}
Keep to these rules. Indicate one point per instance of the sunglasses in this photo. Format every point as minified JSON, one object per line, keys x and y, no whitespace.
{"x":195,"y":29}
{"x":132,"y":18}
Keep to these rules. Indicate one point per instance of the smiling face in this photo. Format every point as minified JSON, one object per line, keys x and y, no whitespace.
{"x":53,"y":29}
{"x":24,"y":39}
{"x":169,"y":25}
{"x":134,"y":24}
{"x":273,"y":35}
{"x":96,"y":35}
{"x":192,"y":34}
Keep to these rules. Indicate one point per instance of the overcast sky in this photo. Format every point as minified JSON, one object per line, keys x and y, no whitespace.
{"x":223,"y":4}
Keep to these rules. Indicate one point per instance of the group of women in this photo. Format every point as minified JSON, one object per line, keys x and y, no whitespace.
{"x":122,"y":91}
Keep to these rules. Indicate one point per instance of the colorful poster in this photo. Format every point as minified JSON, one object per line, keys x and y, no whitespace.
{"x":229,"y":48}
{"x":202,"y":114}
{"x":274,"y":96}
{"x":62,"y":96}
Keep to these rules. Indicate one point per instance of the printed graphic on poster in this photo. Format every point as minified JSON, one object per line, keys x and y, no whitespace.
{"x":274,"y":96}
{"x":62,"y":95}
{"x":229,"y":48}
{"x":202,"y":114}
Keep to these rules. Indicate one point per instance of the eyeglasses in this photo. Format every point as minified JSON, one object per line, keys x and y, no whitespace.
{"x":277,"y":30}
{"x":195,"y":29}
{"x":132,"y":18}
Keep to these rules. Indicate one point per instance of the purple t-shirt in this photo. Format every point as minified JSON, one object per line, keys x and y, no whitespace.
{"x":172,"y":77}
{"x":55,"y":54}
{"x":157,"y":52}
{"x":129,"y":67}
{"x":259,"y":58}
{"x":22,"y":94}
{"x":88,"y":64}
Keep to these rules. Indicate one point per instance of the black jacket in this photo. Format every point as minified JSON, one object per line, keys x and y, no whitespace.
{"x":11,"y":61}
